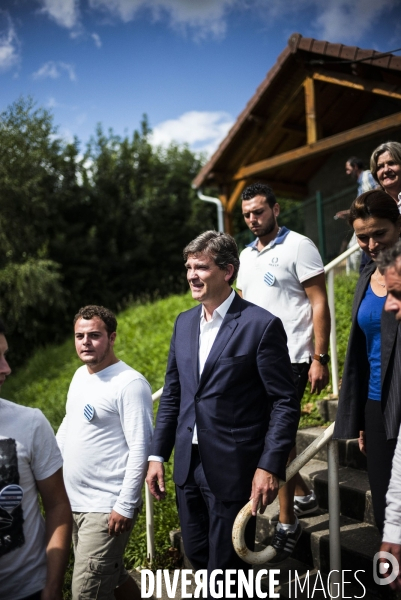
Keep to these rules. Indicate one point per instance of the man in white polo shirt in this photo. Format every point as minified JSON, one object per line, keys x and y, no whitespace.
{"x":282,"y":271}
{"x":104,"y":439}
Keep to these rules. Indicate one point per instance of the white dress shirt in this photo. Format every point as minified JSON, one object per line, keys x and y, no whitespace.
{"x":207,"y":334}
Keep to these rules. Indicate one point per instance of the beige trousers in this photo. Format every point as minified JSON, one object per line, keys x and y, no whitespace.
{"x":98,"y":566}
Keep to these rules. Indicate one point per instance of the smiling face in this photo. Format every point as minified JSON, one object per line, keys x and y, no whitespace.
{"x":4,"y":366}
{"x":93,"y":344}
{"x":389,"y":174}
{"x":208,"y":283}
{"x":374,"y":234}
{"x":260,"y":217}
{"x":392,"y":277}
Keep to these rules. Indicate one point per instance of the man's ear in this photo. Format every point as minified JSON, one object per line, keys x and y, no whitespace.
{"x":112,"y":337}
{"x":229,"y":272}
{"x":276,"y":209}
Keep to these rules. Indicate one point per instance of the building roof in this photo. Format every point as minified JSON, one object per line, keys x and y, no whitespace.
{"x":319,"y":96}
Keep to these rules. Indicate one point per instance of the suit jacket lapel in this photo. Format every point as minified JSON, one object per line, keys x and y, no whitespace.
{"x":360,"y":290}
{"x":194,"y":343}
{"x":389,"y":328}
{"x":226,"y":330}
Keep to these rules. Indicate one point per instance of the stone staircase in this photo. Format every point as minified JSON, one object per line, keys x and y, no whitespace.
{"x":360,"y":539}
{"x":305,"y":574}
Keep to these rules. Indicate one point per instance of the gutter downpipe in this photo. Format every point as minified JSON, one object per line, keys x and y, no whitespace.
{"x":218,"y":203}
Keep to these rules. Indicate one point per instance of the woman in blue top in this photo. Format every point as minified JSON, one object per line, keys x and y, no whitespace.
{"x":370,"y":402}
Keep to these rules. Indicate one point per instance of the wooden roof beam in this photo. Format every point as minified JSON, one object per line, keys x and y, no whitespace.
{"x":320,"y":147}
{"x":310,"y":111}
{"x":383,"y":89}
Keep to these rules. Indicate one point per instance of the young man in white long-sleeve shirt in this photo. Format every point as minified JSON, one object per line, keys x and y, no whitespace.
{"x":105,"y":439}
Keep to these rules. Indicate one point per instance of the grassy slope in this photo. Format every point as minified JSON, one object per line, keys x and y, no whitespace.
{"x":143,"y":340}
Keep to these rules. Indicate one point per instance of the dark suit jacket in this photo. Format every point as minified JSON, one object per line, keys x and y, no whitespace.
{"x":354,"y":388}
{"x":244,"y":405}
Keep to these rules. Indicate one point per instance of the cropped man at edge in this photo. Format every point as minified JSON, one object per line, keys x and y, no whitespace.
{"x":282,"y":271}
{"x":33,"y":551}
{"x":105,"y":440}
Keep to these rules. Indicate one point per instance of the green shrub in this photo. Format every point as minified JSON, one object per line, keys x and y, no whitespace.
{"x":344,"y":288}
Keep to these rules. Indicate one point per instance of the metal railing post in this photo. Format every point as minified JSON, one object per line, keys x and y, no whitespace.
{"x":150,"y":525}
{"x":334,"y":518}
{"x":333,"y":334}
{"x":329,"y":270}
{"x":150,"y":522}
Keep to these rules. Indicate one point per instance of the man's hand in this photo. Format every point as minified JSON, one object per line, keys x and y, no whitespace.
{"x":318,"y":376}
{"x":118,"y":524}
{"x":155,"y":479}
{"x":395,"y":550}
{"x":264,"y":490}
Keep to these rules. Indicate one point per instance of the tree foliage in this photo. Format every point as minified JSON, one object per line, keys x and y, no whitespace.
{"x":104,"y":227}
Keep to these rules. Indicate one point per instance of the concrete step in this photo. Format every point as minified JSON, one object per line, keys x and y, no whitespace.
{"x":349,"y":453}
{"x":327,"y":409}
{"x":355,"y":495}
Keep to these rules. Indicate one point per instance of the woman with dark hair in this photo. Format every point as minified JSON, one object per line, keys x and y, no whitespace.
{"x":385,"y":166}
{"x":370,"y":403}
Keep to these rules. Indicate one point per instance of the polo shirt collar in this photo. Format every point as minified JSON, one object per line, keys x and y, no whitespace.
{"x":284,"y":231}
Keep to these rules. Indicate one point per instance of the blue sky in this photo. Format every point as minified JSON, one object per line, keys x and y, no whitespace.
{"x":190,"y":65}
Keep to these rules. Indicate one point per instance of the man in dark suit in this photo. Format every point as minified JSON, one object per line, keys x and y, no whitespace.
{"x":229,"y":406}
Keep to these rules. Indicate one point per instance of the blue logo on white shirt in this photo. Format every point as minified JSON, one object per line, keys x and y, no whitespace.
{"x":269,"y":278}
{"x":89,"y":412}
{"x":11,"y":497}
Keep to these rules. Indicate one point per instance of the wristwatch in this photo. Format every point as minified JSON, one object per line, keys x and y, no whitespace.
{"x":322,"y":358}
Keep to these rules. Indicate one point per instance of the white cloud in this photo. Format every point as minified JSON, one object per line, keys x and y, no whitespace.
{"x":9,"y":44}
{"x":336,"y":20}
{"x":53,"y":70}
{"x":96,"y":39}
{"x":345,"y":21}
{"x":64,"y":12}
{"x":205,"y":16}
{"x":202,"y":131}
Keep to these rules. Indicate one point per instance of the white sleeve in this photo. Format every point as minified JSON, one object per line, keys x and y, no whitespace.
{"x":136,"y":415}
{"x":46,"y":458}
{"x":61,"y":433}
{"x":392,"y":523}
{"x":308,"y":262}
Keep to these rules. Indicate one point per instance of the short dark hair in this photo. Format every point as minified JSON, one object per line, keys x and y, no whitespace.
{"x":354,"y":161}
{"x":220,"y":246}
{"x":259,"y":189}
{"x":2,"y":327}
{"x":90,"y":311}
{"x":389,"y":258}
{"x":393,"y":148}
{"x":374,"y":203}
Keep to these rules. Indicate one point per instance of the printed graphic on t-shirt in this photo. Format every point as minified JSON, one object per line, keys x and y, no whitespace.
{"x":11,"y":515}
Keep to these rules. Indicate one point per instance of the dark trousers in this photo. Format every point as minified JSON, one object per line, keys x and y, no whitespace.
{"x":300,"y":372}
{"x":380,"y":452}
{"x":206,"y":523}
{"x":36,"y":596}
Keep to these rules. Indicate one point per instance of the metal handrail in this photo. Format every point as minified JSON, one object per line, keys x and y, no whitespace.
{"x":258,"y":558}
{"x":329,"y":271}
{"x":150,"y":526}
